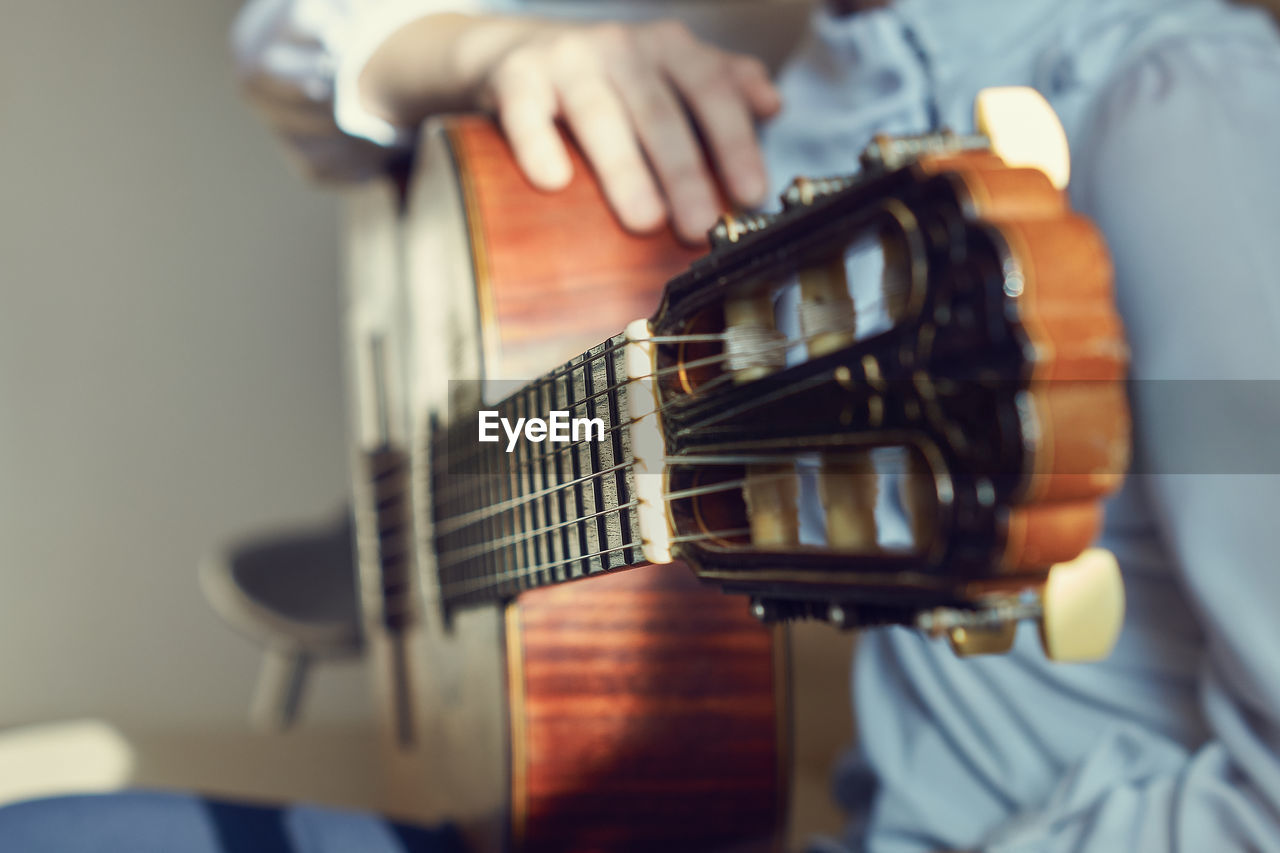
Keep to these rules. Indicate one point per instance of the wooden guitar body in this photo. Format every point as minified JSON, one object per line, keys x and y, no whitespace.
{"x":639,"y":710}
{"x":546,"y":689}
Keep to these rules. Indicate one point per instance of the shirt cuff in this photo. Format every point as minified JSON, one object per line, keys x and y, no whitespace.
{"x":359,"y":38}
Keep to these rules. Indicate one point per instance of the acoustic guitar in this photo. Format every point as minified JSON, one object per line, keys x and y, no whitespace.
{"x":896,"y":401}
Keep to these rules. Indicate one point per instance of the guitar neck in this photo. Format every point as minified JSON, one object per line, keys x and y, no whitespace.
{"x":515,"y":512}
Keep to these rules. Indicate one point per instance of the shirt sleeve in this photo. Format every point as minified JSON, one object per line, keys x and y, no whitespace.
{"x":299,"y":61}
{"x":1181,"y":172}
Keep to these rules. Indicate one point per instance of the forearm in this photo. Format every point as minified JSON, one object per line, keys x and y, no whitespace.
{"x":299,"y":61}
{"x":658,"y":113}
{"x":435,"y":64}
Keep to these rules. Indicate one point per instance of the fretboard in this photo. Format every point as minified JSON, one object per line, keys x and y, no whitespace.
{"x":546,"y":512}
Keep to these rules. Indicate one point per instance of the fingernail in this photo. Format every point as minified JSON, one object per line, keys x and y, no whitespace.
{"x":550,"y":170}
{"x":697,"y":218}
{"x":645,"y":210}
{"x":750,"y":185}
{"x":556,"y":172}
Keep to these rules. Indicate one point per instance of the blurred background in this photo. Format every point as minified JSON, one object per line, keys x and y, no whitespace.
{"x":170,"y":384}
{"x":170,"y":381}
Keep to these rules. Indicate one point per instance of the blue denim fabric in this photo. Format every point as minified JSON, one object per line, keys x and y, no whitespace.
{"x":147,"y":822}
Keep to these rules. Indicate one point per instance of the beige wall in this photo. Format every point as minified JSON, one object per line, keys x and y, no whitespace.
{"x":169,"y":363}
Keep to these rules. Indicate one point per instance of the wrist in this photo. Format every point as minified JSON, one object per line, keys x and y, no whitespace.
{"x":435,"y":64}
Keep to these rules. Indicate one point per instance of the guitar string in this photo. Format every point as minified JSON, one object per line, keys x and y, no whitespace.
{"x":460,"y":479}
{"x":533,"y":505}
{"x":572,"y":365}
{"x":711,"y":534}
{"x":489,"y":581}
{"x":454,"y":523}
{"x":894,"y":466}
{"x":473,"y":551}
{"x":566,"y":370}
{"x":492,"y":581}
{"x":785,"y":344}
{"x":459,"y":522}
{"x":521,"y":571}
{"x":468,"y":553}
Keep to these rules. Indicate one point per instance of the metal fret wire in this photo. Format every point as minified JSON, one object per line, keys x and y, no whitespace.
{"x":454,"y":523}
{"x":480,"y":583}
{"x":540,"y":492}
{"x":569,"y":445}
{"x":568,"y":368}
{"x":594,"y":452}
{"x":583,"y":531}
{"x":671,"y":496}
{"x":459,"y":480}
{"x":540,"y":566}
{"x":462,"y":555}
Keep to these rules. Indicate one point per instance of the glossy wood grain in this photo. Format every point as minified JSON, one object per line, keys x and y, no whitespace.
{"x":1067,"y":312}
{"x":561,"y":274}
{"x":647,"y":711}
{"x":649,"y":718}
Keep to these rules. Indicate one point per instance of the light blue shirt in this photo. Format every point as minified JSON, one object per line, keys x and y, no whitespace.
{"x":1173,"y":743}
{"x":1173,"y":111}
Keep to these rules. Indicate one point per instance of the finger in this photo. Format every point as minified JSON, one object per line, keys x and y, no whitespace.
{"x":600,"y":124}
{"x":526,"y":104}
{"x":666,"y":137}
{"x":703,"y":80}
{"x":752,"y":78}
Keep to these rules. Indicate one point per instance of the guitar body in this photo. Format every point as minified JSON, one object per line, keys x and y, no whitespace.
{"x":546,"y":689}
{"x":639,"y":710}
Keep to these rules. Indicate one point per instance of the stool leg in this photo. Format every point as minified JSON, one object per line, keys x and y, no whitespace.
{"x":278,"y":693}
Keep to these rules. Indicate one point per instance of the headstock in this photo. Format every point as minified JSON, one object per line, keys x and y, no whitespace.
{"x":935,"y":337}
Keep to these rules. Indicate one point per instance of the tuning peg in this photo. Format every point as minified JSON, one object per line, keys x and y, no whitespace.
{"x":1082,"y":608}
{"x":1024,"y":130}
{"x":731,"y":228}
{"x":995,"y":639}
{"x":804,"y":191}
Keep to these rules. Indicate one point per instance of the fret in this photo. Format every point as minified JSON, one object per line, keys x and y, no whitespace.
{"x":480,"y":487}
{"x":537,"y":516}
{"x":619,"y":441}
{"x":588,"y":498}
{"x":495,"y":489}
{"x":550,"y":503}
{"x":532,"y":451}
{"x":443,"y":487}
{"x":545,"y":512}
{"x":519,"y":513}
{"x":573,"y":461}
{"x":601,"y":459}
{"x":387,"y":478}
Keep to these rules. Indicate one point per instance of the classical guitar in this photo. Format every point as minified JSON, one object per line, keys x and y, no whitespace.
{"x":895,"y":401}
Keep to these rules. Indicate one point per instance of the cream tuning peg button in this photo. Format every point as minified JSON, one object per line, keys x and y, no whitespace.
{"x":1082,"y":606}
{"x":1024,"y":130}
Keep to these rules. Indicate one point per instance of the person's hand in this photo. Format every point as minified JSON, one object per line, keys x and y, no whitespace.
{"x":658,"y":113}
{"x":632,"y":97}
